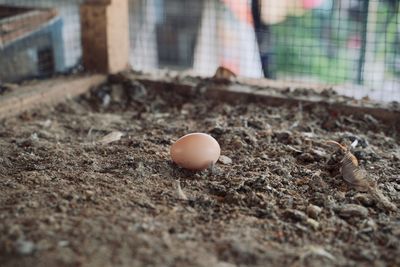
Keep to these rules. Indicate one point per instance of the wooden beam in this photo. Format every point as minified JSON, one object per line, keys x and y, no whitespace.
{"x":105,"y":35}
{"x":270,"y":93}
{"x":48,"y":92}
{"x":21,"y":21}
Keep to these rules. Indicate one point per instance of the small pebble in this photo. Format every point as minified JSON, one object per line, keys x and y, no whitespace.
{"x":284,"y":136}
{"x":225,"y":264}
{"x":295,"y":215}
{"x":63,"y":243}
{"x":43,"y":244}
{"x":15,"y":231}
{"x":24,"y":247}
{"x":33,"y":204}
{"x":106,"y":100}
{"x":364,"y":199}
{"x":352,"y":210}
{"x":117,"y":93}
{"x":313,"y":223}
{"x":34,"y":137}
{"x":238,"y":144}
{"x":89,"y":194}
{"x":217,"y":130}
{"x":306,"y":158}
{"x":225,"y":160}
{"x":313,"y":211}
{"x":50,"y":219}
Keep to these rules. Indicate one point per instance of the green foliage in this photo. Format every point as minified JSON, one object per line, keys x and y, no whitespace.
{"x":303,"y":45}
{"x":300,"y":50}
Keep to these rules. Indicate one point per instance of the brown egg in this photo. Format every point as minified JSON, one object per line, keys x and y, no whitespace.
{"x":195,"y":151}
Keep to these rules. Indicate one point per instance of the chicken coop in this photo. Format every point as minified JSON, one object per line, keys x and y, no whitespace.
{"x":199,"y":133}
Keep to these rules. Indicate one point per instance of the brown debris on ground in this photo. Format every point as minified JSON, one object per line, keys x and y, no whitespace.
{"x":357,"y":177}
{"x":67,"y":201}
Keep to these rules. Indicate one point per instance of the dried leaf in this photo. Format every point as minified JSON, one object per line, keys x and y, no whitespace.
{"x":46,"y":124}
{"x":352,"y":173}
{"x":223,"y":73}
{"x":111,"y":137}
{"x":357,"y":177}
{"x":350,"y":170}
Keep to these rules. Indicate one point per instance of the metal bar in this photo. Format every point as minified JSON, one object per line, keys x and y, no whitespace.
{"x":361,"y":61}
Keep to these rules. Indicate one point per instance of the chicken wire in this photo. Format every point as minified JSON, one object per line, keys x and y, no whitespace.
{"x":35,"y":44}
{"x":352,"y":43}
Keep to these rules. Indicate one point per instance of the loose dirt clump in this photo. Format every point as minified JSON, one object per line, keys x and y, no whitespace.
{"x":90,"y":183}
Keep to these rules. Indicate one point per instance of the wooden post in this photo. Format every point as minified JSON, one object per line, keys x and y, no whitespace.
{"x":105,"y":35}
{"x":48,"y":92}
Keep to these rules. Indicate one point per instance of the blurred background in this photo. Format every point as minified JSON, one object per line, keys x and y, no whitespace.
{"x":354,"y":44}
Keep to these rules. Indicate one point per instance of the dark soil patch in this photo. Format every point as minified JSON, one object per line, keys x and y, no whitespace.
{"x":67,"y":201}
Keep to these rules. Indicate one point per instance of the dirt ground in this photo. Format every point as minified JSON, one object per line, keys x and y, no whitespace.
{"x":68,"y":200}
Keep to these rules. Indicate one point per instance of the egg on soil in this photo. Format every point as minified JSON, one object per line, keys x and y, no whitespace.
{"x":195,"y":151}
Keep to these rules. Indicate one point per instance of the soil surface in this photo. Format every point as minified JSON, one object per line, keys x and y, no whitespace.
{"x":67,"y":199}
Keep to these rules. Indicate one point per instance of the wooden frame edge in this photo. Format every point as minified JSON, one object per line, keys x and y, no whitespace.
{"x":47,"y":92}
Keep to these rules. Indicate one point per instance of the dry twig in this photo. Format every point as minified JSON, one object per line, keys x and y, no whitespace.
{"x":180,"y":194}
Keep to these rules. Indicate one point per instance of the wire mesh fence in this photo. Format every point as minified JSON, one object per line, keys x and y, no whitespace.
{"x":352,"y":42}
{"x":38,"y":38}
